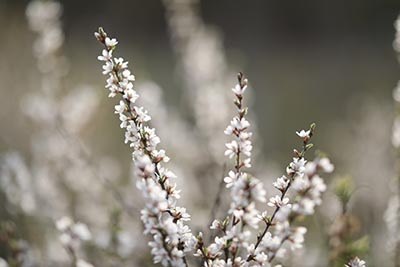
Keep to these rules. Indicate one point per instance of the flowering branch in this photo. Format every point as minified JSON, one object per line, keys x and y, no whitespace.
{"x":295,"y":168}
{"x":161,"y":217}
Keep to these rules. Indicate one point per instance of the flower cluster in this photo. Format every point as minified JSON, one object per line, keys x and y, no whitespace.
{"x":244,"y":191}
{"x":72,"y":235}
{"x":162,"y":218}
{"x":307,"y":186}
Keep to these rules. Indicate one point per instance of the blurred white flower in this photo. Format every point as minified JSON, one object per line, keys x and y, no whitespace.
{"x":3,"y":263}
{"x":356,"y":262}
{"x":82,"y":263}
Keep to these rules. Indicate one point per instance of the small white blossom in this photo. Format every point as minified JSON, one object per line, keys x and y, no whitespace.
{"x":3,"y":263}
{"x":277,"y":201}
{"x":105,"y":55}
{"x":326,"y":165}
{"x":238,"y":90}
{"x":82,"y":263}
{"x":64,"y":223}
{"x":232,"y":149}
{"x":120,"y":108}
{"x":142,"y":115}
{"x":356,"y":262}
{"x":81,"y":231}
{"x":281,"y":183}
{"x":304,"y":134}
{"x":111,"y":42}
{"x":120,"y":63}
{"x":108,"y":67}
{"x":230,"y":179}
{"x":130,"y":95}
{"x":127,"y":75}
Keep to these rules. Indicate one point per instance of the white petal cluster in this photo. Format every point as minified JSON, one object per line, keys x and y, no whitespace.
{"x":311,"y":186}
{"x":304,"y":134}
{"x":162,"y":218}
{"x":356,"y":262}
{"x":72,"y":234}
{"x":303,"y":179}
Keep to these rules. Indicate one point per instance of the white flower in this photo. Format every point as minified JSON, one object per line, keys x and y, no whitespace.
{"x":108,"y":67}
{"x":130,"y":95}
{"x":246,"y":147}
{"x":237,"y":125}
{"x":277,"y":201}
{"x":125,"y":85}
{"x":297,"y":166}
{"x":111,"y":42}
{"x":106,"y":55}
{"x":127,"y":75}
{"x":238,"y":90}
{"x":216,"y":224}
{"x":300,"y":184}
{"x":270,"y":242}
{"x":230,"y":179}
{"x":263,"y":216}
{"x":120,"y":63}
{"x":120,"y":108}
{"x":281,"y":183}
{"x":64,"y":223}
{"x":3,"y":263}
{"x":247,"y":163}
{"x":233,"y":148}
{"x":82,"y":263}
{"x":160,"y":155}
{"x":356,"y":262}
{"x":326,"y":165}
{"x":81,"y":231}
{"x":125,"y":121}
{"x":297,"y":237}
{"x":303,"y":134}
{"x":261,"y":258}
{"x":142,"y":115}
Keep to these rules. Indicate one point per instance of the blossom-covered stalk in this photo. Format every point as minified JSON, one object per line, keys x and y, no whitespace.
{"x":244,"y":191}
{"x":244,"y":188}
{"x":307,"y":186}
{"x":294,"y":169}
{"x":162,"y":218}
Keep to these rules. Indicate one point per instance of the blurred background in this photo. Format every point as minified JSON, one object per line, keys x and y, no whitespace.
{"x":329,"y":62}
